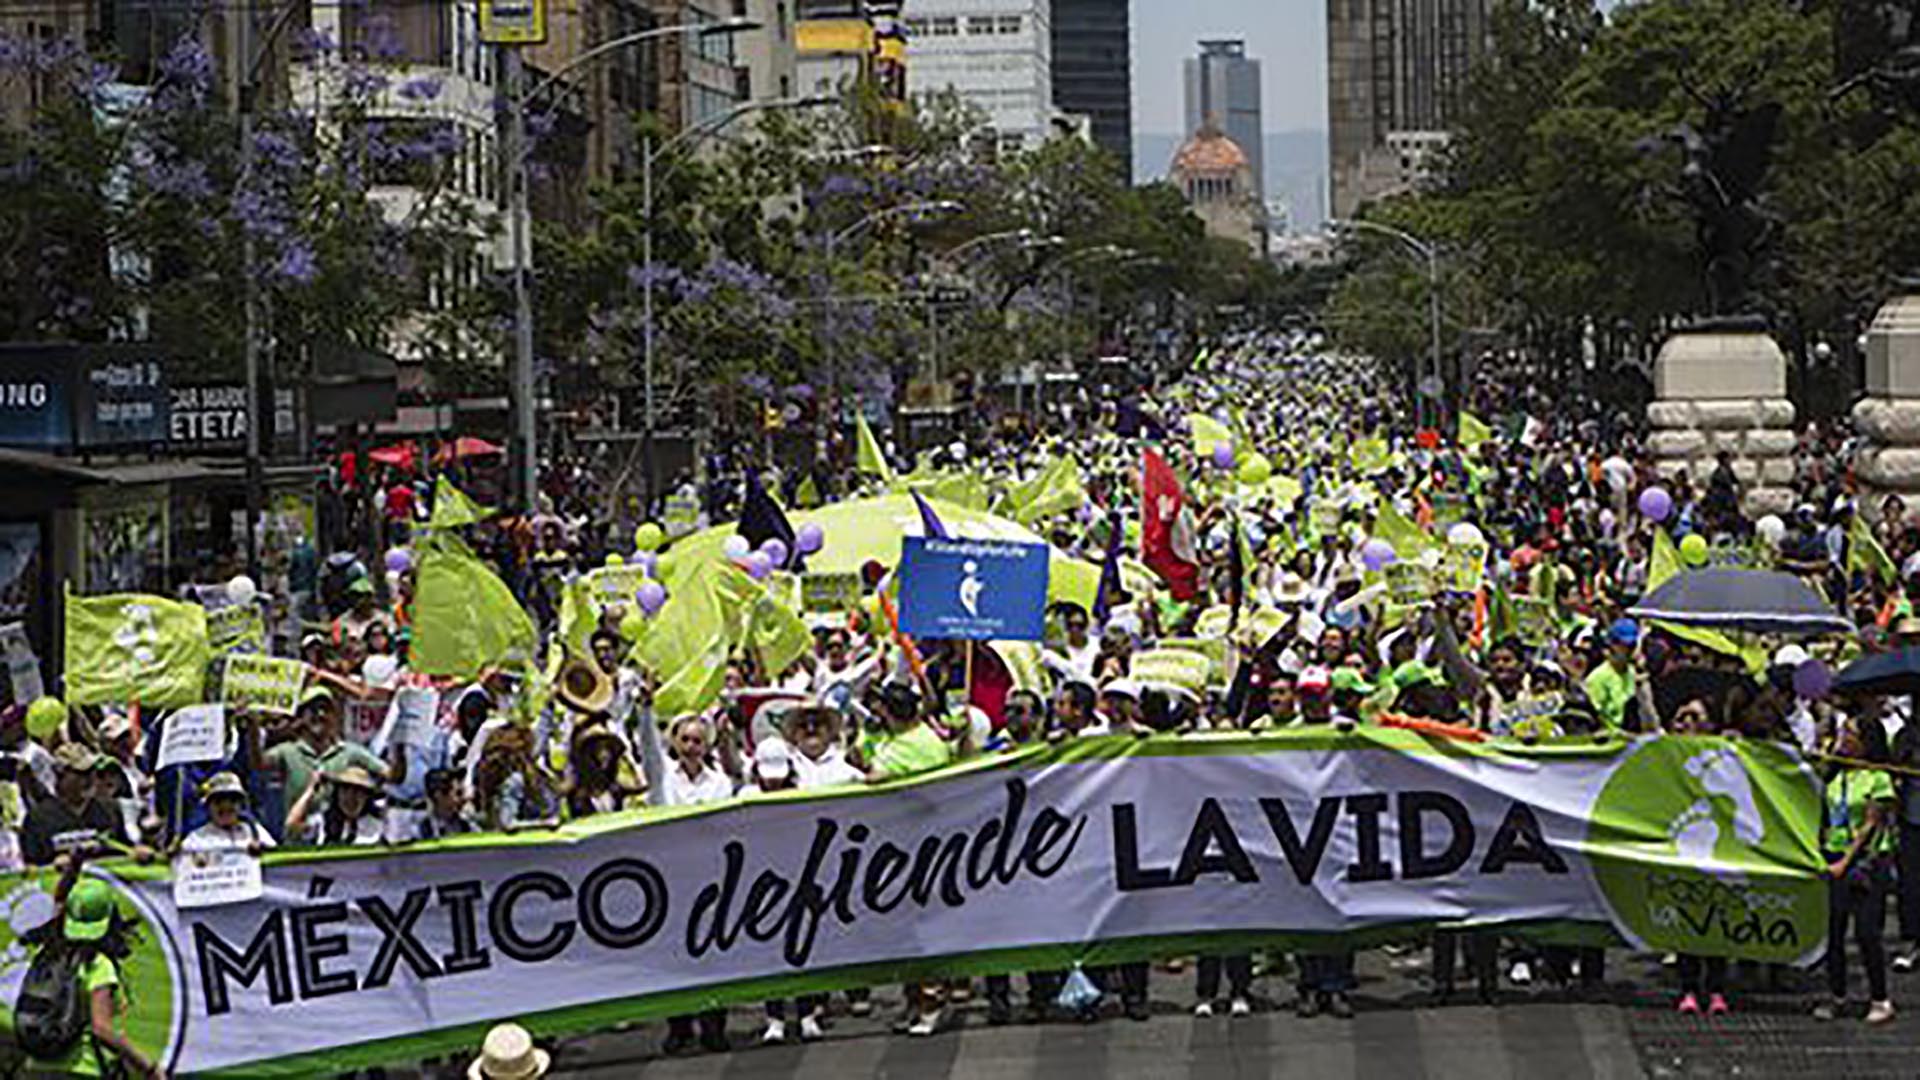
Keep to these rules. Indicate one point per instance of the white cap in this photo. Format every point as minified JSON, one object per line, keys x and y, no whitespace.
{"x":379,"y":669}
{"x":773,"y":759}
{"x":1789,"y":656}
{"x":1125,"y":688}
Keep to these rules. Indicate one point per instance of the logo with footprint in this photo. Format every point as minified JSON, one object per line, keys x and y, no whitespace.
{"x":1710,"y":846}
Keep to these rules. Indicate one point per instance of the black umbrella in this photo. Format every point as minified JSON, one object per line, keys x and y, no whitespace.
{"x":1896,"y":672}
{"x":1757,"y":601}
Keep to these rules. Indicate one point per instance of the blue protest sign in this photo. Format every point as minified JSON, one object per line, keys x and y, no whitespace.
{"x":979,"y":590}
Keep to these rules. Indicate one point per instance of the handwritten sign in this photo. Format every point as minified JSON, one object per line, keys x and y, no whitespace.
{"x":267,"y":683}
{"x":1172,"y":667}
{"x":412,"y":719}
{"x":682,"y":515}
{"x":615,"y":584}
{"x":830,"y":592}
{"x":198,"y":733}
{"x":236,"y":628}
{"x":1409,"y":583}
{"x":211,"y":878}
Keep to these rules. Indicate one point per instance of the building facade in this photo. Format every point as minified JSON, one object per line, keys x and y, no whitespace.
{"x":996,"y":54}
{"x":1217,"y":178}
{"x":1093,"y":70}
{"x":1397,"y":73}
{"x":1223,"y":92}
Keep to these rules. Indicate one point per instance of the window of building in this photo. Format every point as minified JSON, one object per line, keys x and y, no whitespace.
{"x":944,"y":26}
{"x":980,"y":24}
{"x":1012,"y":143}
{"x":780,"y":19}
{"x":1009,"y":24}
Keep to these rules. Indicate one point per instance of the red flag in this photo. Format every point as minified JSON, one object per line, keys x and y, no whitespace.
{"x":992,"y":682}
{"x":1166,"y":530}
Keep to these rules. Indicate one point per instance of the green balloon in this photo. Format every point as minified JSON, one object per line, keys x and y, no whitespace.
{"x":649,"y":537}
{"x":1693,"y":549}
{"x":1256,"y":469}
{"x":45,"y":716}
{"x":633,"y":626}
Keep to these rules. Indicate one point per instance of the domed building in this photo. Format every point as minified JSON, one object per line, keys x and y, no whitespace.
{"x":1213,"y":172}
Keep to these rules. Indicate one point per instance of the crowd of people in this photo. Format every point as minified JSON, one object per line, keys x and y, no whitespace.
{"x":1314,"y":635}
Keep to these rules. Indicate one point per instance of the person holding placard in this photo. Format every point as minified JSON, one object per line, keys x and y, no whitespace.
{"x":229,"y":827}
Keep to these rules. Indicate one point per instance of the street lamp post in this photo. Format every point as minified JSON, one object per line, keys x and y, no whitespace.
{"x":834,"y":240}
{"x":650,"y":156}
{"x":518,"y":154}
{"x":1430,"y":252}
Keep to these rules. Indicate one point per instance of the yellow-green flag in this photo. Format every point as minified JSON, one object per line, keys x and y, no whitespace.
{"x":1207,"y":433}
{"x":1473,"y":431}
{"x":1056,"y":490}
{"x":1865,"y":553}
{"x":776,"y":635}
{"x":1408,"y":540}
{"x":452,"y":508}
{"x":868,"y":457}
{"x":807,"y":495}
{"x":130,"y":647}
{"x":686,"y":647}
{"x":465,"y":619}
{"x":1370,"y":456}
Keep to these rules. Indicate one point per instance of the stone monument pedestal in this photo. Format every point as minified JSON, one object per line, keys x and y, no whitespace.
{"x":1889,"y":416}
{"x":1723,"y":387}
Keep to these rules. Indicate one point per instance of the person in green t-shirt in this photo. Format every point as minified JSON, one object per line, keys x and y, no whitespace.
{"x":1611,"y":686}
{"x":1858,"y":838}
{"x":86,"y":919}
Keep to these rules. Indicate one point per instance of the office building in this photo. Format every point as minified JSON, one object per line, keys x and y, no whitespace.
{"x":996,"y":54}
{"x":1223,"y":91}
{"x":1093,"y":70}
{"x":1397,"y":73}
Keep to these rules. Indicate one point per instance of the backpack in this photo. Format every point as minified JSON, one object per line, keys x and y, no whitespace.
{"x":51,"y":1014}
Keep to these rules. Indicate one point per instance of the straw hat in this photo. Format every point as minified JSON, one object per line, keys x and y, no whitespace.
{"x":508,"y":1053}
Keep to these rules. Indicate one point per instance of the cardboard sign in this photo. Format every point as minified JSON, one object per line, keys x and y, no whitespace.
{"x":830,"y":593}
{"x":1325,"y":517}
{"x":1409,"y":583}
{"x":615,"y":584}
{"x":236,"y":628}
{"x":267,"y":683}
{"x":211,"y":878}
{"x":1189,"y":671}
{"x":194,"y":734}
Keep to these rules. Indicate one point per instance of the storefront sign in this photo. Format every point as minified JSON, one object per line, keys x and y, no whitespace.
{"x":68,"y":397}
{"x":215,"y":415}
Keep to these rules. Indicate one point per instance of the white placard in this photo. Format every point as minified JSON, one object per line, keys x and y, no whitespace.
{"x":413,"y":720}
{"x":198,"y":733}
{"x":23,"y":667}
{"x":210,"y":878}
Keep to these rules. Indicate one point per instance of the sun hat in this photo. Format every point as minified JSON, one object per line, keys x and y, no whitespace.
{"x":354,"y":776}
{"x":508,"y":1053}
{"x":223,"y":784}
{"x":76,"y":757}
{"x":89,"y":911}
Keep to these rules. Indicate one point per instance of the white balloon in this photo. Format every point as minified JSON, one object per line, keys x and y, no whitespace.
{"x":1464,"y":534}
{"x":242,"y":590}
{"x":1771,"y":529}
{"x":736,"y":547}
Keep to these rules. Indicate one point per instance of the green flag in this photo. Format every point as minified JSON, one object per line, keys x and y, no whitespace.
{"x":686,"y":647}
{"x":807,"y":495}
{"x":130,"y":647}
{"x":1056,"y":490}
{"x":452,"y":508}
{"x":776,"y":635}
{"x":1473,"y":431}
{"x":1408,"y":539}
{"x":868,"y":458}
{"x":465,"y":619}
{"x":961,"y":488}
{"x":1207,"y":433}
{"x":1865,"y":553}
{"x":1370,"y":457}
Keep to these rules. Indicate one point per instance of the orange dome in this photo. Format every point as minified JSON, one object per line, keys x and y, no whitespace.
{"x":1209,"y":151}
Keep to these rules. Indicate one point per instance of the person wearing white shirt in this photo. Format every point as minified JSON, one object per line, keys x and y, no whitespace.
{"x":228,"y":828}
{"x":690,"y":781}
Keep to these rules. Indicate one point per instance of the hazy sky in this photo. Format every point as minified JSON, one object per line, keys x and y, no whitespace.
{"x":1288,"y":37}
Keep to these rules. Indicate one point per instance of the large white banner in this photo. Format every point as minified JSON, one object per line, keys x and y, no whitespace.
{"x":1130,"y":845}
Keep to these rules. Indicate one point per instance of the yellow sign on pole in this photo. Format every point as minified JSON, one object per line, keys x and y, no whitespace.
{"x":513,"y":22}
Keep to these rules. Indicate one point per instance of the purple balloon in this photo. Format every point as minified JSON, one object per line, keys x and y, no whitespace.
{"x":810,"y":539}
{"x":647,"y":561}
{"x":757,"y":565}
{"x":650,"y":596}
{"x":1655,"y":504}
{"x":1812,"y":680}
{"x":776,"y":552}
{"x":1377,"y":555}
{"x":399,"y":560}
{"x":1223,"y":455}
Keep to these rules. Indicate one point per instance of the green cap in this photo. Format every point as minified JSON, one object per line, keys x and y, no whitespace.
{"x":1414,"y":673}
{"x":1350,"y":680}
{"x":316,"y":693}
{"x":89,"y":911}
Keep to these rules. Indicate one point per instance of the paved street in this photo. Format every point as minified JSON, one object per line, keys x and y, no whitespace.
{"x":1398,"y":1033}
